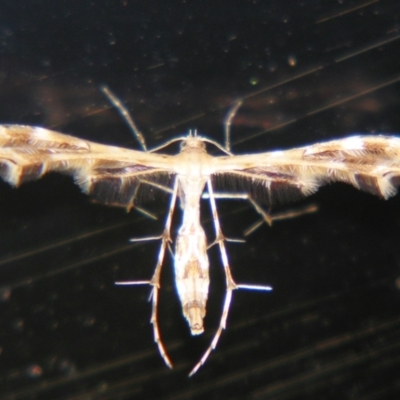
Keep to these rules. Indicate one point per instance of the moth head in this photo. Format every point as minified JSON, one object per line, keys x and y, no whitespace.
{"x":193,"y":142}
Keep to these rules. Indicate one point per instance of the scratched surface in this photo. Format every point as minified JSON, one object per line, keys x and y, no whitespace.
{"x":331,"y":327}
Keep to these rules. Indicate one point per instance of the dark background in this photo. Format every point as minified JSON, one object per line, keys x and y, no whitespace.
{"x":307,"y":71}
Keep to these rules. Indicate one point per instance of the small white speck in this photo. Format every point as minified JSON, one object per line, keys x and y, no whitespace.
{"x":277,"y":153}
{"x":353,"y":143}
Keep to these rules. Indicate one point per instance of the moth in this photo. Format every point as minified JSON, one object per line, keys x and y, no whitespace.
{"x":112,"y":175}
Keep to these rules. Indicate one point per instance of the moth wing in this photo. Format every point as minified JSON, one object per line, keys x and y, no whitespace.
{"x":369,"y":163}
{"x":110,"y":174}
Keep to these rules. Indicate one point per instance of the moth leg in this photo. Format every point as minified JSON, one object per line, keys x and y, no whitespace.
{"x":155,"y":280}
{"x":267,"y":217}
{"x":230,"y":284}
{"x":158,"y":186}
{"x":132,"y":204}
{"x":141,"y":210}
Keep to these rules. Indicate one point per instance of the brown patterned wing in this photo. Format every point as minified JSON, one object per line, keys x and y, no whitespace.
{"x":108,"y":173}
{"x":369,"y":163}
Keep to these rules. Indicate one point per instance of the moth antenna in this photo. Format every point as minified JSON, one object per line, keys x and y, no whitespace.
{"x":228,"y":122}
{"x":114,"y":100}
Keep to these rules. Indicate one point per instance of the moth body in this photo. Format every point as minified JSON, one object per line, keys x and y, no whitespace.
{"x":191,"y":260}
{"x":112,"y":175}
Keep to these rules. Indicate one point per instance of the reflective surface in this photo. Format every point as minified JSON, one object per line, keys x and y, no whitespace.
{"x":307,"y":73}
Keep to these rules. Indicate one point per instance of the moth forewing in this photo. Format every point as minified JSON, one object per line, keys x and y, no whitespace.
{"x":108,"y":173}
{"x":369,"y":163}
